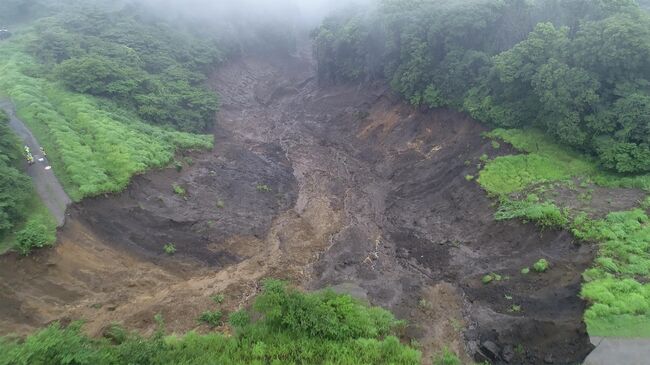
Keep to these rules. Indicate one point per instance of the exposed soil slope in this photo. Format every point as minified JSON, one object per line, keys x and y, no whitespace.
{"x":325,"y":186}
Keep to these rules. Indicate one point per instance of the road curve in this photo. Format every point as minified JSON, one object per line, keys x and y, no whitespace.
{"x":47,"y":185}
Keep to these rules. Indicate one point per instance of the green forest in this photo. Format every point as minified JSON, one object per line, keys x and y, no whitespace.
{"x":576,"y":69}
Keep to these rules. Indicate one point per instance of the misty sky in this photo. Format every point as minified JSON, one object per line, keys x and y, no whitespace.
{"x":307,"y":11}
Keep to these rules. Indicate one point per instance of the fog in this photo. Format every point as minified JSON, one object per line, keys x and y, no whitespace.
{"x":306,"y":13}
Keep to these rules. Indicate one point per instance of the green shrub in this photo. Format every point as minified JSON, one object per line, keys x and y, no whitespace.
{"x":218,"y":298}
{"x":525,"y":270}
{"x":179,"y":190}
{"x":541,"y":265}
{"x":169,"y":248}
{"x":36,"y":234}
{"x":263,"y":188}
{"x":446,"y":357}
{"x":211,"y":318}
{"x":487,"y":279}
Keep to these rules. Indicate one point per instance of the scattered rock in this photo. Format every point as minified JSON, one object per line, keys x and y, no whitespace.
{"x":548,"y":359}
{"x":508,"y":353}
{"x":490,"y":349}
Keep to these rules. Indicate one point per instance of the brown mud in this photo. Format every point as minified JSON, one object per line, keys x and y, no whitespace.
{"x":340,"y":186}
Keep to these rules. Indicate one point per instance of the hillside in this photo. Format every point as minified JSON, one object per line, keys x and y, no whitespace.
{"x":418,"y":182}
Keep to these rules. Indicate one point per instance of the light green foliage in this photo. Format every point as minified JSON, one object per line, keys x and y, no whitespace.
{"x":545,"y":214}
{"x":211,"y":318}
{"x":218,"y":298}
{"x":525,"y":270}
{"x":37,"y":233}
{"x":289,"y":328}
{"x":469,"y":177}
{"x":220,"y":204}
{"x":169,"y":248}
{"x":618,"y":299}
{"x":263,"y":188}
{"x":487,"y":279}
{"x":446,"y":357}
{"x":541,"y":265}
{"x":545,"y":161}
{"x":179,"y":190}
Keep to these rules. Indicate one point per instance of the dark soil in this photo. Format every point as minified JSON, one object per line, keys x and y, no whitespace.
{"x":367,"y":195}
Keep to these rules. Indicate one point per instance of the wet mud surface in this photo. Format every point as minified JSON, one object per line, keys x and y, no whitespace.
{"x":340,"y":186}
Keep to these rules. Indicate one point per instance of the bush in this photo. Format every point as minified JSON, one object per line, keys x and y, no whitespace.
{"x":35,"y":235}
{"x":446,"y":357}
{"x":169,"y":248}
{"x":541,"y":265}
{"x":211,"y":318}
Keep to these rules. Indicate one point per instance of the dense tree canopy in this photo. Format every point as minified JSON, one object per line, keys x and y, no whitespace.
{"x":15,"y":186}
{"x":578,"y":69}
{"x":150,"y":67}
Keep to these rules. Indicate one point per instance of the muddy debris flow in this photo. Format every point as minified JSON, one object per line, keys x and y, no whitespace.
{"x":322,"y":185}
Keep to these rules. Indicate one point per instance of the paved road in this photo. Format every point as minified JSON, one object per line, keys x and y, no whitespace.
{"x":46,"y":183}
{"x":619,"y":351}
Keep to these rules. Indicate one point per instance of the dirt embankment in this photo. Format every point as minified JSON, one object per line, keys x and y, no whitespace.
{"x":324,"y":186}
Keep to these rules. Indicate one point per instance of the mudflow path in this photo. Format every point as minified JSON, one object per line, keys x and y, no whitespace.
{"x":340,"y":186}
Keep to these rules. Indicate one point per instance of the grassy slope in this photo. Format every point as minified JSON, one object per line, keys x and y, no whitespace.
{"x":620,"y":301}
{"x":94,"y":147}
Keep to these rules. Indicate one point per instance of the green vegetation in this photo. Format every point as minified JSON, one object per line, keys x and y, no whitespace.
{"x":284,"y":327}
{"x":218,"y":298}
{"x":263,"y":188}
{"x":211,"y":318}
{"x":578,"y":70}
{"x":169,"y":248}
{"x":541,"y":265}
{"x":25,"y":223}
{"x":545,"y":214}
{"x":617,"y":285}
{"x":179,"y":190}
{"x":525,"y":270}
{"x":446,"y":357}
{"x":93,"y":146}
{"x":487,"y":279}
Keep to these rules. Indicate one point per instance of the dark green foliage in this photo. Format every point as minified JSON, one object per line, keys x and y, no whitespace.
{"x":150,"y":67}
{"x":15,"y":187}
{"x":577,"y":69}
{"x":286,"y":332}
